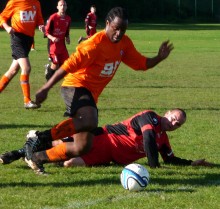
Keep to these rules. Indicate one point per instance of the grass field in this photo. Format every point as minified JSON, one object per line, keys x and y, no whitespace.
{"x":189,"y":79}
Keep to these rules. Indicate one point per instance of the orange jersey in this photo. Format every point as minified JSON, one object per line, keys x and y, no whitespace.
{"x":96,"y":61}
{"x":25,"y":15}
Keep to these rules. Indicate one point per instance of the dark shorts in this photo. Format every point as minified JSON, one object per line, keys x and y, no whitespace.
{"x":74,"y":99}
{"x":20,"y":45}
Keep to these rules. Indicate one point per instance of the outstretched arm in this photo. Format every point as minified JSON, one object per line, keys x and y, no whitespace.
{"x":164,"y":51}
{"x":41,"y":94}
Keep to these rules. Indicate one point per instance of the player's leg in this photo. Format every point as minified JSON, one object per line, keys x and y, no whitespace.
{"x":99,"y":154}
{"x":21,"y":45}
{"x":51,"y":68}
{"x":9,"y":157}
{"x":7,"y":77}
{"x":24,"y":82}
{"x":75,"y":99}
{"x":82,"y":108}
{"x":86,"y":119}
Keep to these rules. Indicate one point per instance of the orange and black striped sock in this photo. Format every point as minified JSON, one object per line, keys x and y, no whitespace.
{"x":4,"y":82}
{"x":63,"y":129}
{"x":57,"y":153}
{"x":25,"y":86}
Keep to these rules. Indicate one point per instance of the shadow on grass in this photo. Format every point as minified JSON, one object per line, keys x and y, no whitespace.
{"x":184,"y":185}
{"x":31,"y":126}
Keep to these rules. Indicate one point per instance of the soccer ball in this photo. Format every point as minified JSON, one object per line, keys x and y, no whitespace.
{"x":134,"y":177}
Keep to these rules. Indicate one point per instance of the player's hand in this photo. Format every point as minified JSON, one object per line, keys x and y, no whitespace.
{"x":55,"y":40}
{"x":201,"y":162}
{"x":41,"y":96}
{"x":42,"y":28}
{"x":10,"y":30}
{"x":165,"y":49}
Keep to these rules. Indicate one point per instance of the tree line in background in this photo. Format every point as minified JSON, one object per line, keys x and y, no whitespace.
{"x":169,"y":11}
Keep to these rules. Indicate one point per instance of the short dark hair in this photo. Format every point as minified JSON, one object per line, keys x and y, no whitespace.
{"x":180,"y":110}
{"x":117,"y":12}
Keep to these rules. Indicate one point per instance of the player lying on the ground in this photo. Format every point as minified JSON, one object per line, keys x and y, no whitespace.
{"x":144,"y":134}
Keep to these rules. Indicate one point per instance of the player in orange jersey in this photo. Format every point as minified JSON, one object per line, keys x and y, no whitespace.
{"x":91,"y":23}
{"x":87,"y":72}
{"x":25,"y":15}
{"x":57,"y":31}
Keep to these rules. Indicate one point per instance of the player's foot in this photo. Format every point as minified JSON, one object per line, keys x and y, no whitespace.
{"x":48,"y":72}
{"x":9,"y":157}
{"x":32,"y":144}
{"x":80,"y":39}
{"x":31,"y":105}
{"x":38,"y":168}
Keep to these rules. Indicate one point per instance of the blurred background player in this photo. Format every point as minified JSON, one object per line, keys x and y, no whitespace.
{"x":57,"y":31}
{"x":90,"y":24}
{"x":142,"y":135}
{"x":25,"y":15}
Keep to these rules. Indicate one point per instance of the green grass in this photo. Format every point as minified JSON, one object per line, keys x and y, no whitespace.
{"x":189,"y":79}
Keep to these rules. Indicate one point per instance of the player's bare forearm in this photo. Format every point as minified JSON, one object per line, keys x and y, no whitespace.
{"x":41,"y":94}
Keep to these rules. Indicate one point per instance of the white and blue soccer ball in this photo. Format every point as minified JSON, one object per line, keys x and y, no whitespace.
{"x":134,"y":177}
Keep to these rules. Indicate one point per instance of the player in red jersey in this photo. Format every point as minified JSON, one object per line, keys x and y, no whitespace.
{"x":86,"y":73}
{"x":25,"y":15}
{"x":57,"y":31}
{"x":142,"y":135}
{"x":90,"y":23}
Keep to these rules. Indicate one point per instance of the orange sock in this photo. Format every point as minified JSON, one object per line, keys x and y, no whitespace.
{"x":4,"y":82}
{"x":25,"y":86}
{"x":63,"y":129}
{"x":57,"y":153}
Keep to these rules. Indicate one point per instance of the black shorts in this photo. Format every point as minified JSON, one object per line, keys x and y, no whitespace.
{"x":74,"y":98}
{"x":20,"y":45}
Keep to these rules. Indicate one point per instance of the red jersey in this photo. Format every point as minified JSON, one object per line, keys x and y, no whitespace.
{"x":96,"y":61}
{"x":25,"y":15}
{"x":58,"y":27}
{"x":130,"y":140}
{"x":91,"y":20}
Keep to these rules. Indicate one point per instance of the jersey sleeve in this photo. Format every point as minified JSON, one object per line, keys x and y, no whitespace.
{"x":49,"y":26}
{"x":6,"y":14}
{"x":149,"y":139}
{"x":132,"y":57}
